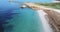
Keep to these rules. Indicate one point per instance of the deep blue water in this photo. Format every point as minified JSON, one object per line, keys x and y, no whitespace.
{"x":15,"y":19}
{"x":25,"y":20}
{"x":5,"y":12}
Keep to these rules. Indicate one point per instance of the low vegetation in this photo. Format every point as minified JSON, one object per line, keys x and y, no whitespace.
{"x":52,"y":5}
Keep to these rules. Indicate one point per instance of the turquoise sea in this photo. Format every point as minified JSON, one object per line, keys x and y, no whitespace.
{"x":25,"y":20}
{"x":15,"y":19}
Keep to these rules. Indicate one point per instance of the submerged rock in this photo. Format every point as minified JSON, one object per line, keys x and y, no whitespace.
{"x":23,"y":6}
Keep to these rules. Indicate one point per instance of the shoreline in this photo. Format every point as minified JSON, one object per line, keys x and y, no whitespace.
{"x":51,"y":12}
{"x":41,"y":13}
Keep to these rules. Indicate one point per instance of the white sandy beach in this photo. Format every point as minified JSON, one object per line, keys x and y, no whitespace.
{"x":44,"y":20}
{"x":43,"y":15}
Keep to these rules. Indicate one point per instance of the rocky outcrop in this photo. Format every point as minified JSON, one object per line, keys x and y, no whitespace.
{"x":54,"y":20}
{"x":53,"y":15}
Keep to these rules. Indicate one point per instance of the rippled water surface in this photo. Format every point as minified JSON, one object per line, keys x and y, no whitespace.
{"x":15,"y":19}
{"x":23,"y":20}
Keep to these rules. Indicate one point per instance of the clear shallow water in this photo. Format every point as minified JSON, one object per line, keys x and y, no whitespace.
{"x":23,"y":20}
{"x":14,"y":19}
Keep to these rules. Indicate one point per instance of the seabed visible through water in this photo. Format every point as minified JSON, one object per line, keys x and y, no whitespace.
{"x":24,"y":20}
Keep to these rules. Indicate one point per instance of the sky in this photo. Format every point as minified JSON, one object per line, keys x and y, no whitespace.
{"x":34,"y":0}
{"x":31,"y":0}
{"x":4,"y":4}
